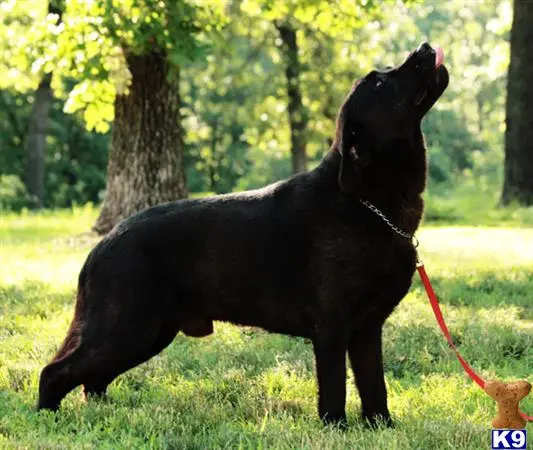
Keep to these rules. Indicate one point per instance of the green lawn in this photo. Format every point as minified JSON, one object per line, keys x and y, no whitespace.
{"x":243,"y":388}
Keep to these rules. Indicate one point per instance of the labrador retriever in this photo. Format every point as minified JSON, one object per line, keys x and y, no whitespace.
{"x":326,"y":255}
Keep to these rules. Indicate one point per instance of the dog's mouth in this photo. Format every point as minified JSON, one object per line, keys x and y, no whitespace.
{"x":430,"y":63}
{"x":420,"y":97}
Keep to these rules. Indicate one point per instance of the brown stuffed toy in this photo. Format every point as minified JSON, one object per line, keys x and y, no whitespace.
{"x":508,"y":396}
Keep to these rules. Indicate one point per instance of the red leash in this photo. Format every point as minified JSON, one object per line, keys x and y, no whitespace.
{"x":442,"y":324}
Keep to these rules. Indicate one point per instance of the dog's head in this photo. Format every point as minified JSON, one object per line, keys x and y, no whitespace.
{"x":384,"y":109}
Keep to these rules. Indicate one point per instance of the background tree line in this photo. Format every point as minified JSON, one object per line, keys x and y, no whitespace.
{"x":158,"y":99}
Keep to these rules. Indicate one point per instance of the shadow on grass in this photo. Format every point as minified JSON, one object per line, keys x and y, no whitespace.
{"x":486,"y":289}
{"x":238,"y":366}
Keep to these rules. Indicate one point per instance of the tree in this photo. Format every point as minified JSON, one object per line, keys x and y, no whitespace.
{"x":35,"y":139}
{"x":235,"y":102}
{"x":298,"y":114}
{"x":217,"y":112}
{"x":124,"y":56}
{"x":297,"y":21}
{"x":518,"y":184}
{"x":37,"y":129}
{"x":146,"y":156}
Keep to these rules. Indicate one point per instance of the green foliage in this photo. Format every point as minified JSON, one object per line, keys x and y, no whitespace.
{"x":95,"y":43}
{"x":13,"y":193}
{"x":91,"y":43}
{"x":236,"y":110}
{"x":242,"y":387}
{"x":234,"y":95}
{"x":14,"y":113}
{"x":24,"y":35}
{"x":472,"y":201}
{"x":75,"y":161}
{"x":330,"y":18}
{"x":451,"y":145}
{"x":464,"y":132}
{"x":215,"y":116}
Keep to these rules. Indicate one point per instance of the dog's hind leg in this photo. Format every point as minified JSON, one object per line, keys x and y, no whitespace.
{"x":59,"y":377}
{"x":70,"y":343}
{"x":97,"y":362}
{"x":367,"y":364}
{"x":108,"y":340}
{"x":96,"y":383}
{"x":54,"y":383}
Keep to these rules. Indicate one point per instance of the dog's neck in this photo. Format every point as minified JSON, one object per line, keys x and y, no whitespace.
{"x":394,"y":189}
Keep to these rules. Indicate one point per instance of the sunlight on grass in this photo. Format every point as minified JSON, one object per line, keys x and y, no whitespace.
{"x":28,"y":226}
{"x":476,"y":248}
{"x":245,"y":388}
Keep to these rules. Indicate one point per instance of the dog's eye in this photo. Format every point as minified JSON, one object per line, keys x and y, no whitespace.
{"x":379,"y":83}
{"x":372,"y":75}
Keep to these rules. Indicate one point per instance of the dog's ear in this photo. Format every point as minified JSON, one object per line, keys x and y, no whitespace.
{"x":351,"y":143}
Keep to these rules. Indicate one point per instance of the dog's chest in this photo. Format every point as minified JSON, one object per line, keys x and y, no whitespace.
{"x":363,"y":277}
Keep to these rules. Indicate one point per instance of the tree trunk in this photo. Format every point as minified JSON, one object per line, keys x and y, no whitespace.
{"x":37,"y":130}
{"x":145,"y":165}
{"x":518,"y":184}
{"x":36,"y":140}
{"x":480,"y":114}
{"x":298,"y":118}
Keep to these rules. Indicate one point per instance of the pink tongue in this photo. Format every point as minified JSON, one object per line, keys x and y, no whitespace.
{"x":439,"y":57}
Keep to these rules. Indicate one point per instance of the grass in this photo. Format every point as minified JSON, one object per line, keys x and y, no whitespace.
{"x":244,"y":388}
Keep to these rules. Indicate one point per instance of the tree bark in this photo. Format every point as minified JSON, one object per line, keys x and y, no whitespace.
{"x":36,"y":140}
{"x":298,"y":118}
{"x":518,"y":183}
{"x":38,"y":128}
{"x":145,"y":165}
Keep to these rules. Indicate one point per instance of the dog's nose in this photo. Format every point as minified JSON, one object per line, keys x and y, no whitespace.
{"x":424,"y":47}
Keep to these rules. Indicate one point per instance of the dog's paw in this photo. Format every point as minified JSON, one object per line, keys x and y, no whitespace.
{"x":336,"y":420}
{"x":378,"y":421}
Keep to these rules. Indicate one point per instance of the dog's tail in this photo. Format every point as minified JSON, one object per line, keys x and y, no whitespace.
{"x":73,"y":337}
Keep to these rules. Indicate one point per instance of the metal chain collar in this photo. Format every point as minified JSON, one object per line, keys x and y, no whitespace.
{"x":385,"y":219}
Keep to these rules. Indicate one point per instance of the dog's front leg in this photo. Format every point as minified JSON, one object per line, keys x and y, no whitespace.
{"x":367,"y":364}
{"x":330,"y":346}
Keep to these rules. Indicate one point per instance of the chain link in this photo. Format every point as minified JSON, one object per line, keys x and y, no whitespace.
{"x":385,"y":219}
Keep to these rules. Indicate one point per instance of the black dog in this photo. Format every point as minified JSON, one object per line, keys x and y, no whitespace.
{"x":306,"y":256}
